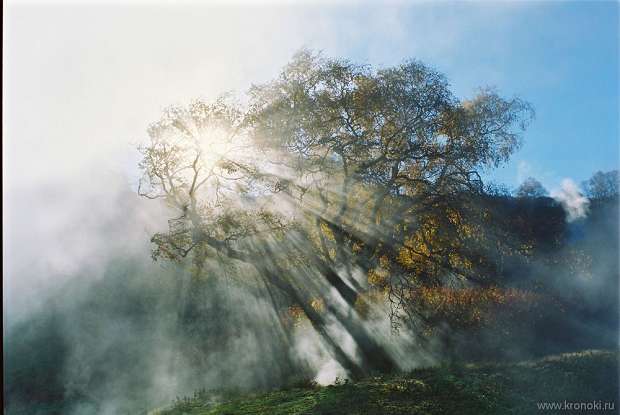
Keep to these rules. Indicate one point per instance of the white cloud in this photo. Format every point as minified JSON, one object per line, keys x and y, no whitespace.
{"x":524,"y":170}
{"x":572,"y":199}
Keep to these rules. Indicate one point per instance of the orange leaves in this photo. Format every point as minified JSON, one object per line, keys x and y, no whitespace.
{"x":459,"y":262}
{"x":318,"y":304}
{"x":414,"y":252}
{"x":327,"y":232}
{"x":378,"y":277}
{"x":294,"y":316}
{"x":473,"y":307}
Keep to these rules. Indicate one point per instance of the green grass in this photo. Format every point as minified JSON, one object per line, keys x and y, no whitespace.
{"x":513,"y":388}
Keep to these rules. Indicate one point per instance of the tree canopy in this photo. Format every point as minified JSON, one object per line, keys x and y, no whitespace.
{"x":602,"y":185}
{"x":336,"y":183}
{"x":531,"y":188}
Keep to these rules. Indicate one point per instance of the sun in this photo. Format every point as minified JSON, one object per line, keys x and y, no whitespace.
{"x":217,"y":145}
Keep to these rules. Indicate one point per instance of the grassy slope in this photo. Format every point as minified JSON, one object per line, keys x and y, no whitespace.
{"x":469,"y":389}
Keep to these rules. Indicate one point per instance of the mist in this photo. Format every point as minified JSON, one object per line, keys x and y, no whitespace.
{"x":572,"y":200}
{"x":98,"y":320}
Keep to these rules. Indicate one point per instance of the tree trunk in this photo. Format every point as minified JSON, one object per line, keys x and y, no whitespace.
{"x":374,"y":357}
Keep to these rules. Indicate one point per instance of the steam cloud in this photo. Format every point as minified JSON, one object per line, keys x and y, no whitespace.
{"x":572,"y":200}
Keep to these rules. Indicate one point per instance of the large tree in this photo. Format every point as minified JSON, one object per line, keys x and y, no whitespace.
{"x":335,"y":181}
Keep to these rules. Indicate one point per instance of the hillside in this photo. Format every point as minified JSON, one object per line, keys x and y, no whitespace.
{"x":517,"y":388}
